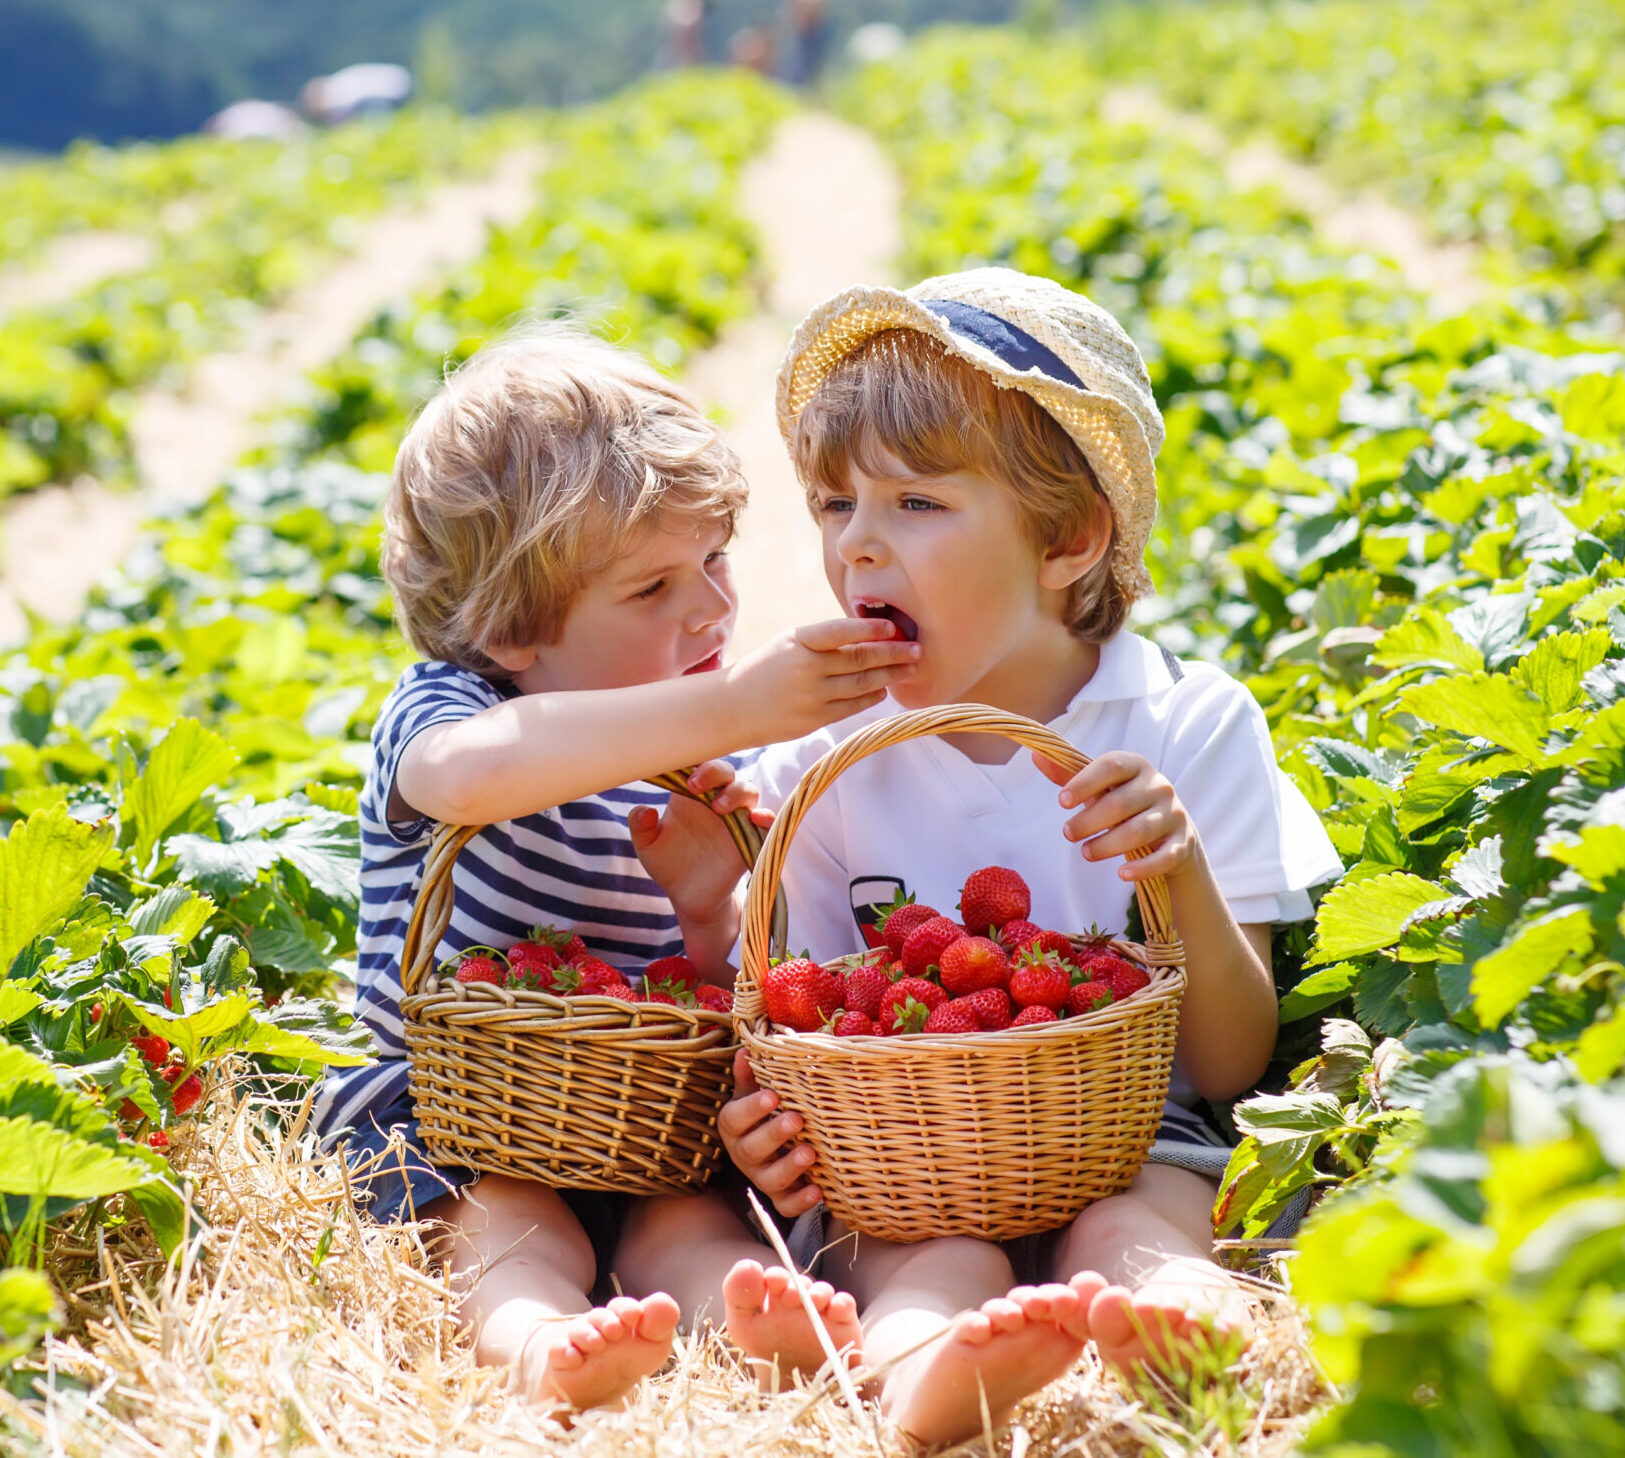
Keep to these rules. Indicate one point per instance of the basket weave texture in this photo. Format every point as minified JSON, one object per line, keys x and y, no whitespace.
{"x":584,"y":1092}
{"x":994,"y":1135}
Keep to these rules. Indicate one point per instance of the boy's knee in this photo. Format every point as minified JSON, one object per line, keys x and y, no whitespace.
{"x":1110,"y":1221}
{"x":975,"y":1260}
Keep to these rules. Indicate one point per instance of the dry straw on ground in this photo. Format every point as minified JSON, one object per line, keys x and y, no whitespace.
{"x":290,"y":1325}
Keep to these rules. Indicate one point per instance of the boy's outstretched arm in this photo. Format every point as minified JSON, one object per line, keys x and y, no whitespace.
{"x":540,"y":750}
{"x":1229,"y":1016}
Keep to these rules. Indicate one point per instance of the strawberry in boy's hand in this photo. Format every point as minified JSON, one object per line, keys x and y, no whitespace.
{"x":899,"y":919}
{"x":991,"y":897}
{"x":800,"y":994}
{"x":972,"y":963}
{"x":926,"y":943}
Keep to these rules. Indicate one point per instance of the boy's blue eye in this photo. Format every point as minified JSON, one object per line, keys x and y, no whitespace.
{"x":919,"y":503}
{"x":649,"y":591}
{"x":833,"y":504}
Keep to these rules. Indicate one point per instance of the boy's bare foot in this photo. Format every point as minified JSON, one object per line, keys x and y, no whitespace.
{"x":1187,"y":1307}
{"x":768,"y":1323}
{"x":1005,"y":1351}
{"x":600,"y":1355}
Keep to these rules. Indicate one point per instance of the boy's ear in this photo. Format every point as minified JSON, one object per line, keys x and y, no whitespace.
{"x":1064,"y":565}
{"x":512,"y":660}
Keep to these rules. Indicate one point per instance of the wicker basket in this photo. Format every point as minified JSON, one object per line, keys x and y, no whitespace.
{"x":994,"y":1135}
{"x":587,"y":1093}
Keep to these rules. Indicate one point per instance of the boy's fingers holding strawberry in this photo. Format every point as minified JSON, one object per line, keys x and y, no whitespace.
{"x":856,"y":657}
{"x":839,"y":632}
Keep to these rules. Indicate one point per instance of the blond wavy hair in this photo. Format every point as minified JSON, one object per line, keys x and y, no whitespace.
{"x":901,"y":394}
{"x":527,"y":474}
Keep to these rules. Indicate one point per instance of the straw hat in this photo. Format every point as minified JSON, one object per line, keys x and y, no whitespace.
{"x":1027,"y":334}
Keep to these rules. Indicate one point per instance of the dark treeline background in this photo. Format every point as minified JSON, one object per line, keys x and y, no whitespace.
{"x":118,"y":69}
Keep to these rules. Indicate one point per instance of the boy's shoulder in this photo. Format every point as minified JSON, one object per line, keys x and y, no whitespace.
{"x":432,"y":681}
{"x":1135,"y":668}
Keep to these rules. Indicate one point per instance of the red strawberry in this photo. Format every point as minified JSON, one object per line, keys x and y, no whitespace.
{"x":991,"y":897}
{"x":991,"y":1006}
{"x":1037,"y":1013}
{"x":1087,"y":996}
{"x":537,"y":977}
{"x":1118,"y":973}
{"x":1053,"y":941}
{"x":853,"y":1025}
{"x":926,"y":944}
{"x":972,"y":963}
{"x":480,"y":968}
{"x":718,"y":999}
{"x":1016,"y":936}
{"x":157,"y":1139}
{"x":899,"y":919}
{"x":130,"y":1111}
{"x":621,"y":990}
{"x":533,"y":954}
{"x":595,"y":972}
{"x":952,"y":1017}
{"x":864,"y":987}
{"x":567,"y":944}
{"x":800,"y":994}
{"x":1040,"y":983}
{"x":905,"y":1005}
{"x":95,"y":1013}
{"x":653,"y":994}
{"x":677,"y":970}
{"x":151,"y":1047}
{"x":187,"y":1092}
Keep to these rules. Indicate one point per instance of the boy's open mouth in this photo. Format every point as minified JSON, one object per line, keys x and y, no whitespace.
{"x":906,"y":625}
{"x":706,"y":665}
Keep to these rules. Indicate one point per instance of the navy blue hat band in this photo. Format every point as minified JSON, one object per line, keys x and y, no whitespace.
{"x":1012,"y":347}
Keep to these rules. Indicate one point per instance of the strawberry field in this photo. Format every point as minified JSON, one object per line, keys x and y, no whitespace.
{"x":1401,"y":525}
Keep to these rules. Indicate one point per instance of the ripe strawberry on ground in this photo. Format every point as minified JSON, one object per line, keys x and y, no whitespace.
{"x":899,"y":919}
{"x":157,"y":1139}
{"x":1039,"y":982}
{"x":972,"y":963}
{"x":1087,"y":996}
{"x":991,"y":1007}
{"x":481,"y":964}
{"x":952,"y":1017}
{"x":991,"y":897}
{"x":800,"y":994}
{"x":717,"y":999}
{"x":1118,"y":973}
{"x":151,"y":1047}
{"x":926,"y":944}
{"x":1037,"y":1013}
{"x":905,"y":1005}
{"x":853,"y":1025}
{"x":864,"y":986}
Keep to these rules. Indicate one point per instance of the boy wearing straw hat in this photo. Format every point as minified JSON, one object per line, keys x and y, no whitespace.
{"x":555,"y":538}
{"x":978,"y":453}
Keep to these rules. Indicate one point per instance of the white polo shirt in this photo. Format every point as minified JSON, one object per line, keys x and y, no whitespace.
{"x":922,"y":816}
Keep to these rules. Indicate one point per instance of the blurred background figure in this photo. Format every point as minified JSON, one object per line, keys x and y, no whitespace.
{"x":255,"y":118}
{"x":359,"y":90}
{"x":752,"y":48}
{"x":807,"y":26}
{"x":880,"y":40}
{"x":685,"y":32}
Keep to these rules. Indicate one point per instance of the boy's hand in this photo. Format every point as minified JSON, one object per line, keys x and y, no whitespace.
{"x":686,"y":849}
{"x":760,"y":1143}
{"x":1126,"y":804}
{"x":819,"y":673}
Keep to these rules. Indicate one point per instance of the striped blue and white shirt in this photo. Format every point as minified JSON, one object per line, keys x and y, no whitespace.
{"x":572,"y":866}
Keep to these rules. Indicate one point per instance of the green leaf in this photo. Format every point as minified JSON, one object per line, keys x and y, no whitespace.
{"x":1319,"y":989}
{"x":1270,"y":1118}
{"x":176,"y":911}
{"x":191,"y":1031}
{"x":1536,"y":950}
{"x":1483,"y":706}
{"x":1601,"y":1051}
{"x":28,"y":1310}
{"x":224,"y":867}
{"x":1367,"y":915}
{"x":16,"y":1002}
{"x":45,"y":864}
{"x":1478,"y":870}
{"x":1597,"y":852}
{"x":186,"y":762}
{"x":1596,"y":607}
{"x":1555,"y":667}
{"x":1424,"y":637}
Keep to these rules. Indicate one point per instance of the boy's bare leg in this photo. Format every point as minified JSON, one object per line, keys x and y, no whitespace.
{"x":696,"y":1247}
{"x":985,"y":1345}
{"x":528,"y":1267}
{"x":1161,"y":1295}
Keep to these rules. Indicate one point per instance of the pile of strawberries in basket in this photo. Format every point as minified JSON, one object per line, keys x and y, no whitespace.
{"x":990,"y":970}
{"x":559,"y":963}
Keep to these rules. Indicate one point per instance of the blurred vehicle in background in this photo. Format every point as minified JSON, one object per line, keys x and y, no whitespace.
{"x":360,"y":90}
{"x":255,"y":118}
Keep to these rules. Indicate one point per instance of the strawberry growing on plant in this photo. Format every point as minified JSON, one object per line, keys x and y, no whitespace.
{"x":151,"y":1047}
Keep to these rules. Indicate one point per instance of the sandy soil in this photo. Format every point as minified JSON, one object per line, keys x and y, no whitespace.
{"x":71,"y":264}
{"x":1364,"y":221}
{"x":58,"y":542}
{"x":826,"y":204}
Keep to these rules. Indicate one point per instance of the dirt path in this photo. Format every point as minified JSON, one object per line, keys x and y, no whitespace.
{"x":71,"y":264}
{"x":57,"y":543}
{"x":1365,"y":221}
{"x":826,"y":205}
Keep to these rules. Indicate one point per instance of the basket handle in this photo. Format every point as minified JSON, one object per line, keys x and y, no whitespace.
{"x":431,"y":913}
{"x":765,"y":930}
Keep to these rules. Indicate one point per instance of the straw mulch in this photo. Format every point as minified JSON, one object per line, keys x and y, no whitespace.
{"x":287,"y":1324}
